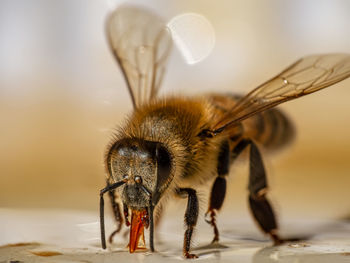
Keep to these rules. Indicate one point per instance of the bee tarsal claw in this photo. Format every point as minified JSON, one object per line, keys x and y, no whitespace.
{"x":190,"y":256}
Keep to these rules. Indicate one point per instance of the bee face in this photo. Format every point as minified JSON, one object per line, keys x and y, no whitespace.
{"x":145,"y":166}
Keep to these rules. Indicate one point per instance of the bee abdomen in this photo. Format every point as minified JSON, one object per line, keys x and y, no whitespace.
{"x":273,"y":129}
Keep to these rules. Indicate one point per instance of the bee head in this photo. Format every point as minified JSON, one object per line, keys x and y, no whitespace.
{"x":144,"y":166}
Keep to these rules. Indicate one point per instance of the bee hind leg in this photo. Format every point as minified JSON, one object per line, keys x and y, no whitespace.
{"x":191,"y":216}
{"x":259,"y":204}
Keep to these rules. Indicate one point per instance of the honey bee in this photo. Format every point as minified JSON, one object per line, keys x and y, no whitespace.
{"x":171,"y":145}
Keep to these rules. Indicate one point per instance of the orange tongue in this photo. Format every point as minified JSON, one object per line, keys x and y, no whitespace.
{"x":139,"y":220}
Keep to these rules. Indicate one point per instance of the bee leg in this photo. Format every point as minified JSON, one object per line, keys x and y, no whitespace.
{"x":218,"y":190}
{"x":259,"y":204}
{"x":117,"y":214}
{"x":191,"y":216}
{"x":108,"y":188}
{"x":158,"y":214}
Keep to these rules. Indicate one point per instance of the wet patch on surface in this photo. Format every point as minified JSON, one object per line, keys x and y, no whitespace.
{"x":227,"y":251}
{"x":45,"y":253}
{"x":21,"y":244}
{"x":297,"y":245}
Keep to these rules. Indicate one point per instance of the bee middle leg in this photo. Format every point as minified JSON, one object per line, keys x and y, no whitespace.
{"x":259,"y":205}
{"x":218,"y":190}
{"x":191,"y":216}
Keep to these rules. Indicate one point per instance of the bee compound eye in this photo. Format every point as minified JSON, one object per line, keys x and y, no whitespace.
{"x":138,"y":179}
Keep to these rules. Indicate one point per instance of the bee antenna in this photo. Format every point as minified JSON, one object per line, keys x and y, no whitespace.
{"x":108,"y":188}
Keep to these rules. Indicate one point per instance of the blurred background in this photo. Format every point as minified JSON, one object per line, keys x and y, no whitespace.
{"x":62,"y":94}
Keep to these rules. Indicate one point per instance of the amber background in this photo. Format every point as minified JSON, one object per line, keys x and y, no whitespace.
{"x":61,"y":96}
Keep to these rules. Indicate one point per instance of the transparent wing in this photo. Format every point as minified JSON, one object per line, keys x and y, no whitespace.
{"x":305,"y":76}
{"x":141,"y":45}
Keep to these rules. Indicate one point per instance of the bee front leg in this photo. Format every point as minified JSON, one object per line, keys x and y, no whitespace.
{"x":259,"y":204}
{"x":117,"y":214}
{"x":191,"y":216}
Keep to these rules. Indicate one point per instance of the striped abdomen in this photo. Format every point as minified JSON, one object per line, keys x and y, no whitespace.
{"x":270,"y":129}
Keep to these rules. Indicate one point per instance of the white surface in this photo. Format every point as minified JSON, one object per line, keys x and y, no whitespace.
{"x":75,"y":235}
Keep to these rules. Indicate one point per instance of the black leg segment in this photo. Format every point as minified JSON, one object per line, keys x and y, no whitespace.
{"x":217,"y":197}
{"x":257,"y":175}
{"x":259,"y":204}
{"x":263,"y":213}
{"x":224,"y":159}
{"x":108,"y":188}
{"x":116,"y":212}
{"x":191,"y":216}
{"x":239,"y":148}
{"x":218,"y":191}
